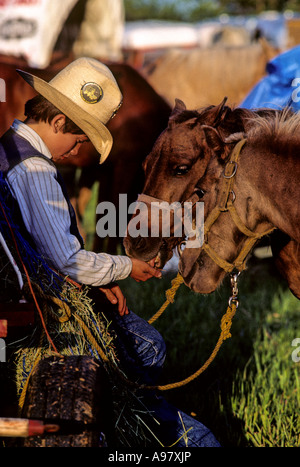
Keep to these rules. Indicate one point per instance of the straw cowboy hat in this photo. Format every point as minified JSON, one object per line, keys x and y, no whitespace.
{"x":86,"y":92}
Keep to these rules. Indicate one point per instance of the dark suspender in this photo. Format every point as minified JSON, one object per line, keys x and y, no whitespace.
{"x":15,"y":149}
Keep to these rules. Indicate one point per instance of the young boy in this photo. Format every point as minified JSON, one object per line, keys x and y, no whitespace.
{"x":87,"y":91}
{"x":71,"y":109}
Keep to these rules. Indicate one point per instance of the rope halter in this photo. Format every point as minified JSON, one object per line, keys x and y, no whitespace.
{"x":226,"y":203}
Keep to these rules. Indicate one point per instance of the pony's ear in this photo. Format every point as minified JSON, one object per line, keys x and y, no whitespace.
{"x":179,"y":107}
{"x":220,"y":112}
{"x":214,"y":141}
{"x":215,"y":114}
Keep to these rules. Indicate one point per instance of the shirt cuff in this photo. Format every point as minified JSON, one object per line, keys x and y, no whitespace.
{"x":123,"y":267}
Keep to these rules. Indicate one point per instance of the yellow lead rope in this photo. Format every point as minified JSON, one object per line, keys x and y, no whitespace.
{"x":226,"y":323}
{"x":170,"y":295}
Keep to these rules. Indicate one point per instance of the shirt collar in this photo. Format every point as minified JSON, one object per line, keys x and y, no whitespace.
{"x":31,"y":136}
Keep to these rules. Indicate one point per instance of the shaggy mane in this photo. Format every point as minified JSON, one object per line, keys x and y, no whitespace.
{"x":277,"y":130}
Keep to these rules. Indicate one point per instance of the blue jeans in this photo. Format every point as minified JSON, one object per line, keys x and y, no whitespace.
{"x":141,"y":350}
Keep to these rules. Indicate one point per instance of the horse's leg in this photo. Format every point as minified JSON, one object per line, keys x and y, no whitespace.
{"x":286,"y":253}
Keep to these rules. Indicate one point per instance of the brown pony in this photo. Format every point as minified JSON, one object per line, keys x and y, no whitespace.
{"x":265,"y":190}
{"x":188,"y":160}
{"x":176,"y":163}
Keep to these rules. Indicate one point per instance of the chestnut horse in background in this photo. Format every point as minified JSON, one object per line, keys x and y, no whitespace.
{"x":188,"y":160}
{"x":138,"y":123}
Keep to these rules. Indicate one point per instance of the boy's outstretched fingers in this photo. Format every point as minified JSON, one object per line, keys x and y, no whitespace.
{"x":115,"y":295}
{"x":142,"y":271}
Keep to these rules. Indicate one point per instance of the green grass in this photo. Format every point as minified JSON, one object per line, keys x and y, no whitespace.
{"x":266,"y":394}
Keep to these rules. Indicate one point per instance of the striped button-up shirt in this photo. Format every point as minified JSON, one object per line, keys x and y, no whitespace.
{"x":46,"y":216}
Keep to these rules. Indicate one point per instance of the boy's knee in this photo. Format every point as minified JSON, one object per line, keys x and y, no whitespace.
{"x":157,"y":349}
{"x":151,"y":349}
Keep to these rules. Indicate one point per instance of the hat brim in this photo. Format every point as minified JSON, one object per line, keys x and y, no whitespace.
{"x":94,"y":129}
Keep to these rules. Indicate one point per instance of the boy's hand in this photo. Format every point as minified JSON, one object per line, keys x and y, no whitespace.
{"x":115,"y":295}
{"x":142,"y":271}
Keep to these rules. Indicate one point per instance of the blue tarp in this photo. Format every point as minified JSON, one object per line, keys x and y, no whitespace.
{"x":281,"y":86}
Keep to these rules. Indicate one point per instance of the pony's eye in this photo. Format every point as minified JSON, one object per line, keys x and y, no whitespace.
{"x":181,"y":170}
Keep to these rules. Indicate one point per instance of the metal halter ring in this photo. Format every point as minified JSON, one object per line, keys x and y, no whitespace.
{"x":179,"y":250}
{"x":233,"y":172}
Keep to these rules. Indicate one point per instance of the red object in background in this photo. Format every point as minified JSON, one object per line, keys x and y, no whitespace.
{"x":15,"y":315}
{"x":3,"y":328}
